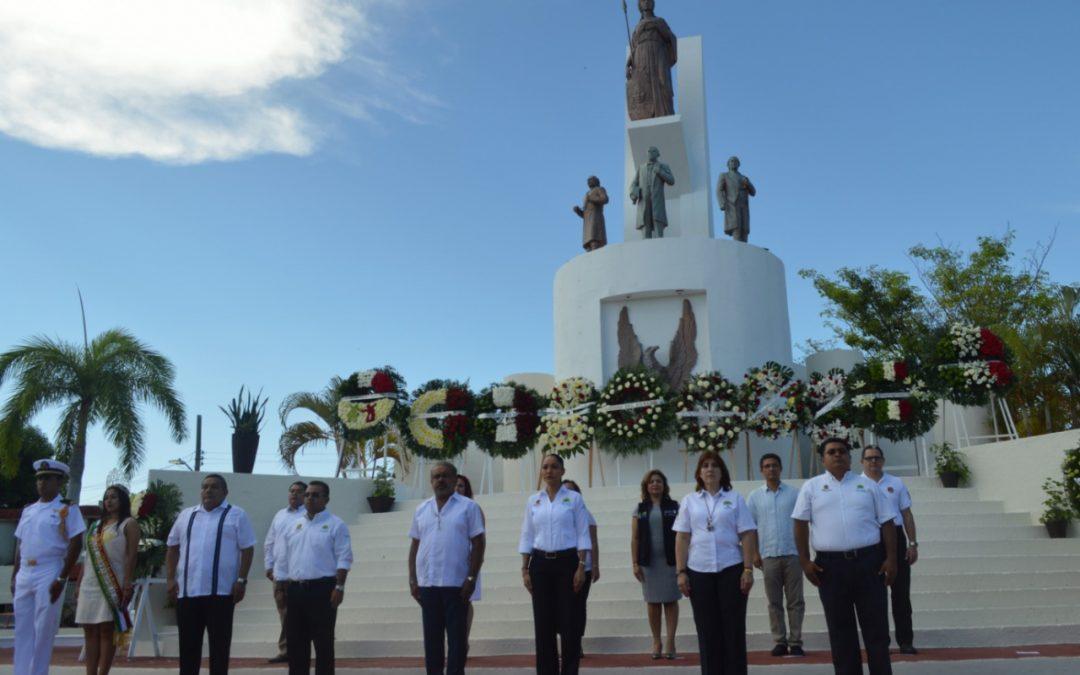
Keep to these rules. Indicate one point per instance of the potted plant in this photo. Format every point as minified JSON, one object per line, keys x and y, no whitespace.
{"x":1057,"y":512}
{"x":382,"y":497}
{"x":950,"y":466}
{"x":246,"y":416}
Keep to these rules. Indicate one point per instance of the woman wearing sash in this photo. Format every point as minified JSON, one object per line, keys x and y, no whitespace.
{"x":112,"y":544}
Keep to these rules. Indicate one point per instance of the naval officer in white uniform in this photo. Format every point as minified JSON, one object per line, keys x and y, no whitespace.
{"x":48,"y":540}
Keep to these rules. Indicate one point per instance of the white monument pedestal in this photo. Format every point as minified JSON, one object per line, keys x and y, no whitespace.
{"x":737,"y":292}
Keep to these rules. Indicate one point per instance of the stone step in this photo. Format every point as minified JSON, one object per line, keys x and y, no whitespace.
{"x":617,"y":542}
{"x":981,"y":557}
{"x":394,"y":592}
{"x":403,"y":608}
{"x":410,"y":643}
{"x":349,"y":627}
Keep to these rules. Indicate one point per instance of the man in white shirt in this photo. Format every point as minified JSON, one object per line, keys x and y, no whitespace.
{"x":293,"y":510}
{"x":206,"y":566}
{"x":445,"y":556}
{"x":907,"y":547}
{"x":48,"y":540}
{"x":848,"y":517}
{"x":317,"y":553}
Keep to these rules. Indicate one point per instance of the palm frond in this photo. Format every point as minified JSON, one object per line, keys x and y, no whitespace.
{"x":299,"y":436}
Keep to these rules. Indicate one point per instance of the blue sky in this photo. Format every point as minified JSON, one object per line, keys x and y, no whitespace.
{"x":392,"y":181}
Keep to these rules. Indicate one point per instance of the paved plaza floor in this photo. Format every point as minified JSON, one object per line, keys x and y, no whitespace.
{"x":1034,"y":660}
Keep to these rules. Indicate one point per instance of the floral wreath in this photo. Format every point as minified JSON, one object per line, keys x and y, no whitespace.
{"x":440,"y":420}
{"x":837,"y":428}
{"x":790,"y":415}
{"x":566,"y":427}
{"x":972,"y":363}
{"x":886,"y":397}
{"x":371,"y":402}
{"x":766,"y":389}
{"x":636,"y":412}
{"x":507,"y":420}
{"x":712,"y":413}
{"x":830,"y":411}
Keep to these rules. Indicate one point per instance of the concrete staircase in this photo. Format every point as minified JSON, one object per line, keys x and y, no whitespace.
{"x":985,"y":577}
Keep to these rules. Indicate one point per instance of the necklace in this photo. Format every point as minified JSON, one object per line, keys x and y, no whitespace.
{"x":712,"y":510}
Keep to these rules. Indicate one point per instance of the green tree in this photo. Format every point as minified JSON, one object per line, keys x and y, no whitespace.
{"x":874,"y":310}
{"x":103,"y":383}
{"x":21,"y":490}
{"x":328,"y":429}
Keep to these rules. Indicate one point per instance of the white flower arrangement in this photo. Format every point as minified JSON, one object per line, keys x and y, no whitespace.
{"x":366,"y":414}
{"x":723,"y":420}
{"x":506,"y":432}
{"x":893,"y":410}
{"x":835,"y":429}
{"x":967,"y":339}
{"x":977,"y":374}
{"x":364,"y":378}
{"x":572,"y":392}
{"x":828,"y":387}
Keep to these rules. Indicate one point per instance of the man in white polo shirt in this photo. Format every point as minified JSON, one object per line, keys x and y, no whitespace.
{"x":445,"y":556}
{"x":206,"y":566}
{"x":848,"y":518}
{"x":907,"y":547}
{"x":317,"y":551}
{"x":48,"y":540}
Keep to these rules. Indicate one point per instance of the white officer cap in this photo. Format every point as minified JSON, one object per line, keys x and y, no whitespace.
{"x":51,"y":467}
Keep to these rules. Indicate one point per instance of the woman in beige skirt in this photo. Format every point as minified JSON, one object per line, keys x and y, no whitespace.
{"x":112,"y":545}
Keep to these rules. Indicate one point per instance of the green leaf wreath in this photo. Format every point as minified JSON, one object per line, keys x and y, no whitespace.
{"x":724,"y":410}
{"x":428,"y":434}
{"x":635,"y":430}
{"x":507,"y":420}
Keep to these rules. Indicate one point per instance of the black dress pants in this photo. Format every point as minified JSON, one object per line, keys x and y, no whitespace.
{"x":309,"y":619}
{"x":582,"y":600}
{"x":720,"y":618}
{"x":851,"y":586}
{"x":901,"y":593}
{"x":443,"y":613}
{"x":555,"y":610}
{"x":212,"y":614}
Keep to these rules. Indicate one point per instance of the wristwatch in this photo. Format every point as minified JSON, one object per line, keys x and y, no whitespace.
{"x":242,"y":580}
{"x":339,"y":588}
{"x":61,"y":579}
{"x":470,"y":579}
{"x":913,"y":544}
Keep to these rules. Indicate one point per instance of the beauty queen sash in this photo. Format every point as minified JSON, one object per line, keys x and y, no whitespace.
{"x":107,"y":581}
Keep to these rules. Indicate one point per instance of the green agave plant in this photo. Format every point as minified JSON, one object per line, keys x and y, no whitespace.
{"x":246,"y":414}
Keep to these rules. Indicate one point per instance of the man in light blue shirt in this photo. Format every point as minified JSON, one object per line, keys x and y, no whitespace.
{"x":771,"y":506}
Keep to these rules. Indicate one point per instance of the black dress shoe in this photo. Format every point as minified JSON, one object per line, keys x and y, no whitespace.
{"x":796,"y":650}
{"x":908,"y":649}
{"x":779,"y":650}
{"x":280,"y":658}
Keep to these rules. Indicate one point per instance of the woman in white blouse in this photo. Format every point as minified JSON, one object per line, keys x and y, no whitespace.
{"x":553,"y":545}
{"x":715,"y":543}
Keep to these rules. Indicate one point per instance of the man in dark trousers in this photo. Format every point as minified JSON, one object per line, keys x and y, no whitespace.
{"x":907,"y":547}
{"x":207,"y":563}
{"x":445,"y":556}
{"x":318,"y":556}
{"x":848,"y":518}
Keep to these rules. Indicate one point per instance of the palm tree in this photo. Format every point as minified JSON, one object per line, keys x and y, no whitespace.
{"x":296,"y":437}
{"x":102,"y":382}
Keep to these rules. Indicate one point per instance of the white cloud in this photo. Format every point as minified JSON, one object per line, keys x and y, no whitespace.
{"x":180,"y":81}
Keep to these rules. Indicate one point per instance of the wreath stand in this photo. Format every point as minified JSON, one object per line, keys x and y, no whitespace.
{"x":964,"y":438}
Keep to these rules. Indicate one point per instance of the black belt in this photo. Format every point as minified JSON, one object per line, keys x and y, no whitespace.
{"x":849,"y":555}
{"x":306,"y":583}
{"x":552,"y":555}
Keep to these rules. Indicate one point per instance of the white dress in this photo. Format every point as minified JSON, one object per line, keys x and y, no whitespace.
{"x":93,"y":607}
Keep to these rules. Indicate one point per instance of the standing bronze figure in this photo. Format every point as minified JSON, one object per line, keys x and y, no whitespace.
{"x":647,"y":193}
{"x":653,"y":52}
{"x":591,"y":212}
{"x":734,"y":191}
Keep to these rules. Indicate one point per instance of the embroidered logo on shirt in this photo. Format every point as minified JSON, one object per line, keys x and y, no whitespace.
{"x":565,"y":500}
{"x":727,"y":503}
{"x":890,"y":489}
{"x":325,"y":527}
{"x":299,"y":526}
{"x":859,"y":486}
{"x":825,"y":488}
